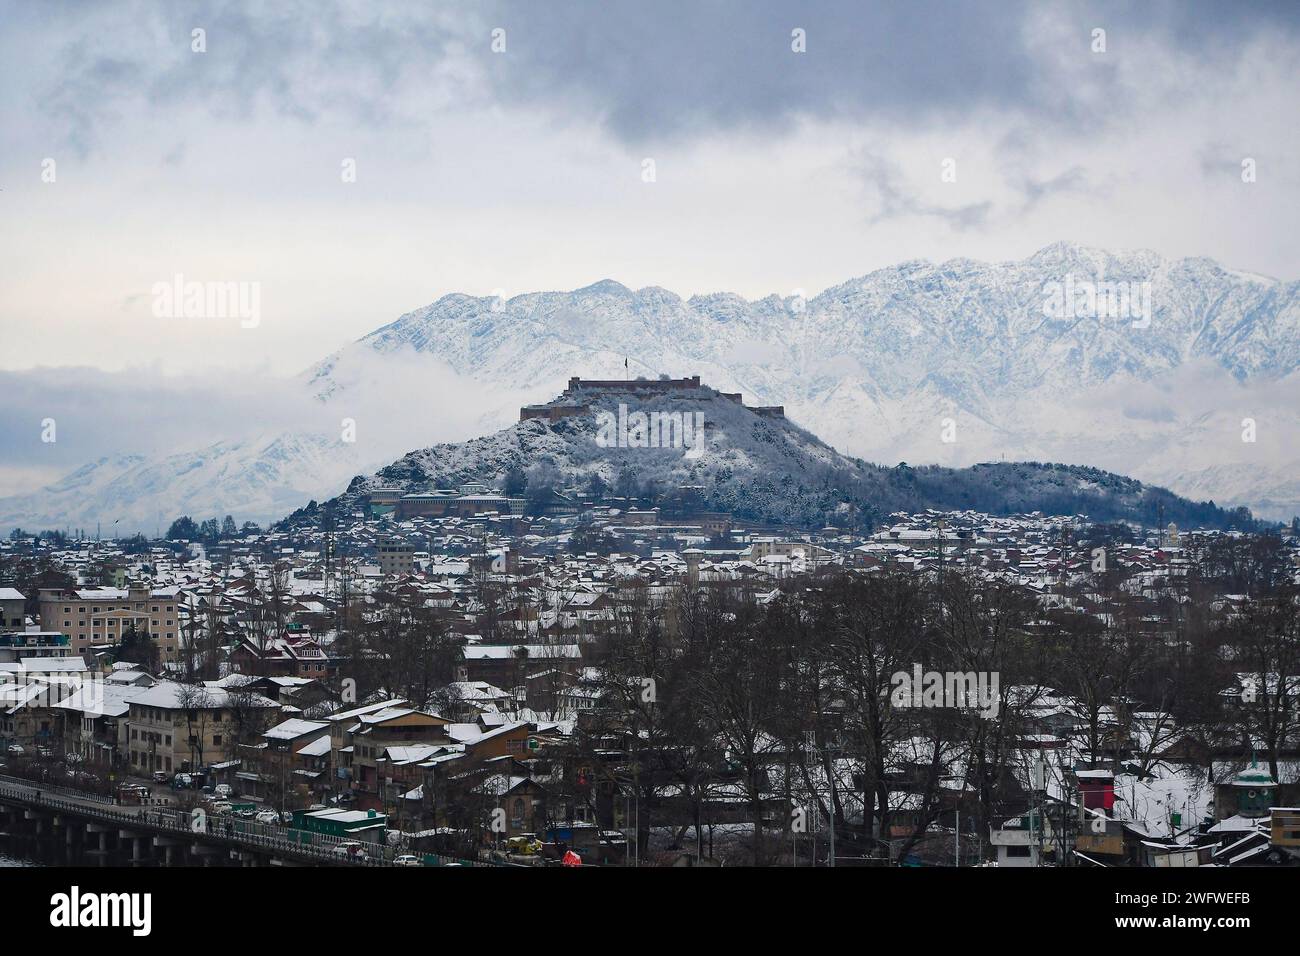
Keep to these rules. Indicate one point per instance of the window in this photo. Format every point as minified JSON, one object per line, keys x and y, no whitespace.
{"x":216,"y":740}
{"x":1021,"y":851}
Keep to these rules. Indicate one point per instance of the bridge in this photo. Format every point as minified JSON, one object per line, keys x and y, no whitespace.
{"x":85,"y":827}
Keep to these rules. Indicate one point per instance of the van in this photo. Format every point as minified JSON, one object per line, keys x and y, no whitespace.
{"x":351,"y":850}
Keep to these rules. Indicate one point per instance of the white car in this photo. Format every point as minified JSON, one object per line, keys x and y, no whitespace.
{"x":223,"y":791}
{"x":268,"y":817}
{"x":406,"y":859}
{"x":16,"y":750}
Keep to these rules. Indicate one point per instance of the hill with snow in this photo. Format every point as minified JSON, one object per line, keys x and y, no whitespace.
{"x":759,"y":466}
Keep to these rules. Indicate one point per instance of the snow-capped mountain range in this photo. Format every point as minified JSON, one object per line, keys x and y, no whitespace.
{"x":256,"y":479}
{"x":951,"y":363}
{"x":888,"y":365}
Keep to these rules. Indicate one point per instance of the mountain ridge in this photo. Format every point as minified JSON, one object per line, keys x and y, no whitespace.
{"x":874,"y":366}
{"x":874,"y":363}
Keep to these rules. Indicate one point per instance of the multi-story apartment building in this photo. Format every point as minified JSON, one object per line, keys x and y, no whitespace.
{"x":16,"y":645}
{"x":29,"y":690}
{"x":395,"y":556}
{"x":375,"y":733}
{"x":99,"y":616}
{"x":173,"y":727}
{"x":12,"y":603}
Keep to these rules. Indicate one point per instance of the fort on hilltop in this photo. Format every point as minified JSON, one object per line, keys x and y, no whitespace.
{"x":571,"y":402}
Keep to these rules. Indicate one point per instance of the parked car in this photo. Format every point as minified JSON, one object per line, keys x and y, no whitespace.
{"x":221,"y":809}
{"x":16,"y":750}
{"x":182,"y":781}
{"x":246,"y":813}
{"x":286,"y":818}
{"x":223,"y":791}
{"x":406,"y":859}
{"x":316,"y":806}
{"x":268,"y":817}
{"x":351,"y":850}
{"x":160,"y":776}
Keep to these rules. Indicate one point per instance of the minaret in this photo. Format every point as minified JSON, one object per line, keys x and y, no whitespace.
{"x":693,"y":556}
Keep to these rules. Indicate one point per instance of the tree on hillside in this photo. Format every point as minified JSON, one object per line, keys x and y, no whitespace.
{"x":515,"y":481}
{"x":183,"y":528}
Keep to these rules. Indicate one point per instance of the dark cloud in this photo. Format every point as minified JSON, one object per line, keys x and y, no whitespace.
{"x":1034,"y":191}
{"x":648,"y":72}
{"x":688,"y":68}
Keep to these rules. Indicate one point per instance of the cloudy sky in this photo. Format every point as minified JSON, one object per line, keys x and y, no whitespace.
{"x":522,"y":167}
